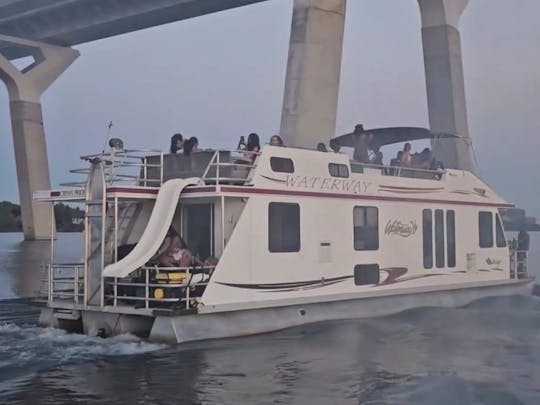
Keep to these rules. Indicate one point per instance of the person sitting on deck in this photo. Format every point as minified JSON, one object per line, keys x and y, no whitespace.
{"x":406,"y":157}
{"x":276,"y":140}
{"x":190,"y":146}
{"x":177,"y":143}
{"x":321,"y":147}
{"x":378,"y":160}
{"x":177,"y":254}
{"x":422,"y":160}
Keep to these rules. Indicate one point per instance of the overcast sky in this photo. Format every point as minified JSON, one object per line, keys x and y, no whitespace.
{"x":221,"y":76}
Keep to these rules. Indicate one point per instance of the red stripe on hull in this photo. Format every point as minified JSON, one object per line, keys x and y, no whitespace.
{"x":298,"y":193}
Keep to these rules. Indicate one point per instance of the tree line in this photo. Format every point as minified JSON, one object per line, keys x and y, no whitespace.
{"x":68,"y":219}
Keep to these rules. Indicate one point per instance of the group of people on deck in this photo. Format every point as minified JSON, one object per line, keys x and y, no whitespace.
{"x":366,"y":151}
{"x":423,"y":160}
{"x":250,"y":149}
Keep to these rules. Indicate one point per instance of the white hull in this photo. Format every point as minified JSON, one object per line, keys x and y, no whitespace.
{"x":215,"y":325}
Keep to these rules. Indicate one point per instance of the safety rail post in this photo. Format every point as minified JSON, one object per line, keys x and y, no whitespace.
{"x":145,"y":171}
{"x":513,"y":264}
{"x":187,"y":287}
{"x":147,"y":289}
{"x":115,"y":292}
{"x":161,"y":169}
{"x":217,"y":168}
{"x":205,"y":173}
{"x":115,"y":229}
{"x":76,"y":286}
{"x":50,"y":284}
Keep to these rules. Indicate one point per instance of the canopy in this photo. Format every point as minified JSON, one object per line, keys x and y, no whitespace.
{"x":388,"y":136}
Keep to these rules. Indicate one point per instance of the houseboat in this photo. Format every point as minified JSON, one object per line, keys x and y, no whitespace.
{"x":291,"y":237}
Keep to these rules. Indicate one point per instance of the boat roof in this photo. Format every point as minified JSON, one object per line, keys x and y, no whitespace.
{"x":387,"y":136}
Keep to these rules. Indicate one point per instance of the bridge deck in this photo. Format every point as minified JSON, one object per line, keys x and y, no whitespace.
{"x":71,"y":22}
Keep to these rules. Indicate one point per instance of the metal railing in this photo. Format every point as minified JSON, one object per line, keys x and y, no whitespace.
{"x":235,"y":170}
{"x":124,"y":166}
{"x":152,"y":290}
{"x":518,"y":264}
{"x":65,"y":283}
{"x":398,"y":171}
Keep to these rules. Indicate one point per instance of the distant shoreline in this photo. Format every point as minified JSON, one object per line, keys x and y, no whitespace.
{"x":68,"y":219}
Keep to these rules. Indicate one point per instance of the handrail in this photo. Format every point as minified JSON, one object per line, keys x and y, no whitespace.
{"x":174,"y":291}
{"x":519,"y":263}
{"x":400,"y":171}
{"x":235,"y":162}
{"x":65,"y":282}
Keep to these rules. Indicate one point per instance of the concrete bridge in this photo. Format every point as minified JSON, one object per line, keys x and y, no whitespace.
{"x":47,"y":29}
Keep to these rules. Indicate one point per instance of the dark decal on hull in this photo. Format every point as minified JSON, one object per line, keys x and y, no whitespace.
{"x":277,"y":287}
{"x":394,"y":275}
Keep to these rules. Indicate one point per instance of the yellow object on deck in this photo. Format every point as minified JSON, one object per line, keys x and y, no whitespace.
{"x":159,"y":293}
{"x":171,"y":278}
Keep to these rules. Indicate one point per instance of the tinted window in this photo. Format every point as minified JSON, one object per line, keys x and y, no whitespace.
{"x":485,"y":229}
{"x":427,"y":236}
{"x":366,"y":228}
{"x":439,"y":238}
{"x":283,"y":227}
{"x":338,"y":170}
{"x":499,"y":235}
{"x":282,"y":165}
{"x":366,"y":274}
{"x":451,"y":238}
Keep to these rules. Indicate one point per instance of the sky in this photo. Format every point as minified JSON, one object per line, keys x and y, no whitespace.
{"x":221,"y":76}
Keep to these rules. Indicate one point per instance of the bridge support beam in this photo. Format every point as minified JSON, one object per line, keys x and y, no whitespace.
{"x":25,"y":88}
{"x":444,"y":80}
{"x":313,"y":70}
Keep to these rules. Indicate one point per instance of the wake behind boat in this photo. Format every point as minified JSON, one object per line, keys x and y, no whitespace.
{"x":292,"y":236}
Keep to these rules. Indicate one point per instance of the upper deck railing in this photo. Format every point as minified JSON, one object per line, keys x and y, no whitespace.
{"x":398,"y":171}
{"x":124,"y":166}
{"x":151,"y":168}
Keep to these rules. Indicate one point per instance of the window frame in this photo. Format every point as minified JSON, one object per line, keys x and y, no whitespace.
{"x":499,"y":232}
{"x":451,"y":238}
{"x":427,"y":239}
{"x":273,"y":222}
{"x":340,"y":167}
{"x":440,"y":259}
{"x":485,"y":241}
{"x":282,"y":169}
{"x":370,"y":247}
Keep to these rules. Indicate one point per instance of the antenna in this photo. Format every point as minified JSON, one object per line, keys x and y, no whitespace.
{"x":109,"y":131}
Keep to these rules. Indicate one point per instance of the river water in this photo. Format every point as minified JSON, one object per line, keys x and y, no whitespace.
{"x":485,"y":353}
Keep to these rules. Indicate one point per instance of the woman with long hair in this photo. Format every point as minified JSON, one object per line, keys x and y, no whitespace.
{"x":190,"y":146}
{"x":177,"y":142}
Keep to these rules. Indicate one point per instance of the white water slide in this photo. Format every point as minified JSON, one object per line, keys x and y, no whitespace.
{"x":156,"y":229}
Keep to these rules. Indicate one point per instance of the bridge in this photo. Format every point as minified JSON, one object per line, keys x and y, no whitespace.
{"x":47,"y":29}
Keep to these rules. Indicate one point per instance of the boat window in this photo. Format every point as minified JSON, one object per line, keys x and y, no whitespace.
{"x":451,"y":237}
{"x":485,"y":229}
{"x":499,"y":232}
{"x":427,"y":235}
{"x":283,"y":227}
{"x":439,"y":238}
{"x":366,"y":228}
{"x":338,"y":170}
{"x":282,"y":165}
{"x":365,"y":274}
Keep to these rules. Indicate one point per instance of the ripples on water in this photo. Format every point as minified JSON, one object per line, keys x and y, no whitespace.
{"x":485,"y":353}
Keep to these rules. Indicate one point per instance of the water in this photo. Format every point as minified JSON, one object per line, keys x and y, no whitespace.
{"x":485,"y":353}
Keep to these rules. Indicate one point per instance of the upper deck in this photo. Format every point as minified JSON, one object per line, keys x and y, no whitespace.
{"x":278,"y":170}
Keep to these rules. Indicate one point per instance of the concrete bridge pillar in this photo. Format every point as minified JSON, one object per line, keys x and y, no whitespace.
{"x":444,"y":80}
{"x":25,"y":88}
{"x":313,"y":70}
